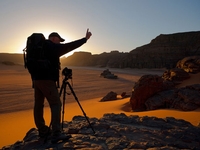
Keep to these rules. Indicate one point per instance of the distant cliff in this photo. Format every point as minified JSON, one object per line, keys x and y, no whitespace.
{"x":15,"y":58}
{"x":163,"y":51}
{"x":112,"y":59}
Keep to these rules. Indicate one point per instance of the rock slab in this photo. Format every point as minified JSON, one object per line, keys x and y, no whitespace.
{"x":118,"y":131}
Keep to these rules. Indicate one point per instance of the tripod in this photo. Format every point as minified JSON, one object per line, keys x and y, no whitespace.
{"x":63,"y":87}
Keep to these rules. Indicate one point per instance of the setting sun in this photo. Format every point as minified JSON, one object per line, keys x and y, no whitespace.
{"x":21,"y":41}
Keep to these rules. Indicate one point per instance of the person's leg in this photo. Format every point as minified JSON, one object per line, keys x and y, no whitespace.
{"x":38,"y":110}
{"x":50,"y":91}
{"x":53,"y":98}
{"x":38,"y":106}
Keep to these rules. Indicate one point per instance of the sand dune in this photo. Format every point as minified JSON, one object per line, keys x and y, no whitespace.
{"x":16,"y":99}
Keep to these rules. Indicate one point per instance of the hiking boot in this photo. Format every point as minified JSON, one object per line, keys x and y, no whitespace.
{"x":44,"y":132}
{"x":60,"y":136}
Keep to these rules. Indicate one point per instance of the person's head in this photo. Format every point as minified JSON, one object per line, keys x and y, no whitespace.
{"x":55,"y":38}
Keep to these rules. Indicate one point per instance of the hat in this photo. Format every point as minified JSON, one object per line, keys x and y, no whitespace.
{"x":55,"y":34}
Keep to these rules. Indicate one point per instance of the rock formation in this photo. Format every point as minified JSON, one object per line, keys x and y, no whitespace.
{"x":175,"y":75}
{"x":109,"y":97}
{"x":152,"y":92}
{"x":107,"y":74}
{"x":78,"y":59}
{"x":184,"y":99}
{"x":124,"y":95}
{"x":113,"y":96}
{"x":145,"y":87}
{"x":118,"y":131}
{"x":190,"y":64}
{"x":163,"y":51}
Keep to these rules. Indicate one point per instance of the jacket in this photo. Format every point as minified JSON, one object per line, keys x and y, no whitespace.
{"x":53,"y":52}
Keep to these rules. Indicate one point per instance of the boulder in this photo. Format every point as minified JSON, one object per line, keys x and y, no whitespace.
{"x":144,"y":88}
{"x":176,"y":75}
{"x":160,"y":100}
{"x":110,"y":96}
{"x":190,"y":64}
{"x":107,"y":74}
{"x":185,"y":99}
{"x":124,"y":95}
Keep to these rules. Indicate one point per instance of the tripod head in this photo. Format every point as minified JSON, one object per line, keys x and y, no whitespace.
{"x":67,"y":73}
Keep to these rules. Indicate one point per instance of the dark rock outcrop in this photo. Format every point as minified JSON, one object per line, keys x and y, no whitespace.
{"x":109,"y":97}
{"x":151,"y":93}
{"x":175,"y":75}
{"x":190,"y":64}
{"x":118,"y":131}
{"x":107,"y":74}
{"x":185,"y":99}
{"x":145,"y":87}
{"x":124,"y":95}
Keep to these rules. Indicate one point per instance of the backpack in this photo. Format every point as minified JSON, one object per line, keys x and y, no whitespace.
{"x":34,"y":54}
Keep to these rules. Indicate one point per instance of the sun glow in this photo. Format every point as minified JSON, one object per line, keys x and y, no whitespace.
{"x":21,"y":42}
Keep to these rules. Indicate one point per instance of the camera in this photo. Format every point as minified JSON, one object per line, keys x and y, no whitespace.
{"x":67,"y":73}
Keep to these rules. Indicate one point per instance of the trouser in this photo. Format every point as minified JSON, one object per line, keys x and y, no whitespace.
{"x":47,"y":89}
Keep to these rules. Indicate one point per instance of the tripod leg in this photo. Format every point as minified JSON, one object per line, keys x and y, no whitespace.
{"x":79,"y":105}
{"x":63,"y":87}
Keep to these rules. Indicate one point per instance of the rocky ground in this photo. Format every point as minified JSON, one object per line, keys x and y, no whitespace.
{"x":118,"y":131}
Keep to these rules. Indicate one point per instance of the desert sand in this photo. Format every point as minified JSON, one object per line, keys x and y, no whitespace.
{"x":16,"y":99}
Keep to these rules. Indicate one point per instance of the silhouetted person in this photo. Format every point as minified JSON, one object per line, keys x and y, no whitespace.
{"x":45,"y":85}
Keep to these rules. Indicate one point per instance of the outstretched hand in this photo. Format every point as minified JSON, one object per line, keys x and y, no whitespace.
{"x":88,"y":34}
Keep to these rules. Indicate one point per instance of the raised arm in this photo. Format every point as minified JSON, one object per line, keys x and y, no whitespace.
{"x":65,"y":48}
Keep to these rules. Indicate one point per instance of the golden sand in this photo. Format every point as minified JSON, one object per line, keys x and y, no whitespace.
{"x":14,"y":126}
